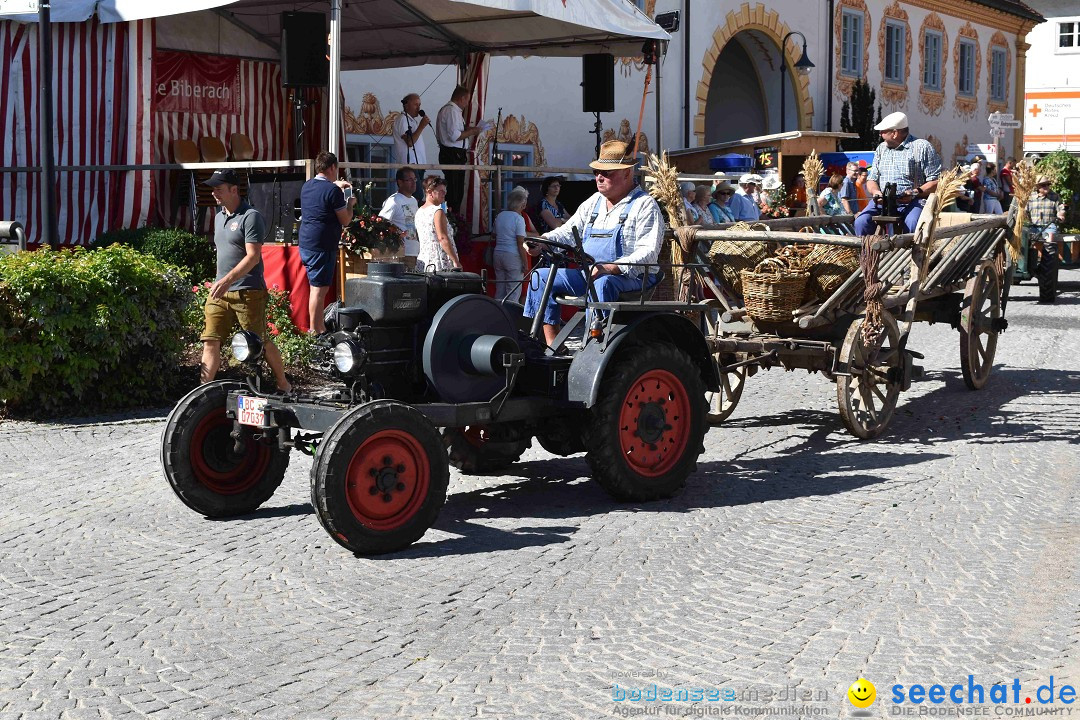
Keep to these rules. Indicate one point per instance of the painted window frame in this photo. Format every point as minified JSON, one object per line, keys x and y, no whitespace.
{"x":937,"y":60}
{"x":1073,"y":35}
{"x":965,"y":72}
{"x":894,"y":51}
{"x":360,"y":148}
{"x":851,"y":46}
{"x":506,"y":151}
{"x":999,"y":85}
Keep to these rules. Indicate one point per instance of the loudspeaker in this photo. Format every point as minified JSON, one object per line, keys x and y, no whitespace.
{"x":598,"y":83}
{"x":303,"y":50}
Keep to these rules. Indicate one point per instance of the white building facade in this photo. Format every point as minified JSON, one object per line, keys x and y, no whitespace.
{"x":1052,"y":98}
{"x":947,"y":65}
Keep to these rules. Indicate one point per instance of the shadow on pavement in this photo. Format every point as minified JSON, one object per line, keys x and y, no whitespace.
{"x":826,"y":462}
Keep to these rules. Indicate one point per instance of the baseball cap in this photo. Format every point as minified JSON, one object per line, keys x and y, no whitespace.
{"x":227,"y":176}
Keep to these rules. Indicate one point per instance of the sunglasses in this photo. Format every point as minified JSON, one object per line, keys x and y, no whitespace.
{"x":604,"y":173}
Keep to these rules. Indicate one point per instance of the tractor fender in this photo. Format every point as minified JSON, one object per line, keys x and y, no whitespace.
{"x":590,"y":364}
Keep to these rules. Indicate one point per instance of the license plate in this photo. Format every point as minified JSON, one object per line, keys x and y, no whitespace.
{"x":250,"y":410}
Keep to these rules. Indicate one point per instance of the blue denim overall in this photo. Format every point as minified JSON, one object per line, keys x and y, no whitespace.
{"x":604,"y":246}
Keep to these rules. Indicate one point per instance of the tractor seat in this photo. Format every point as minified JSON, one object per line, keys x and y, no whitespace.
{"x":627,"y":296}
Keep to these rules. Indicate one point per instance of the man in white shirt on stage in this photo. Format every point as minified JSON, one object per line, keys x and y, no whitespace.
{"x":451,"y":133}
{"x":400,"y":209}
{"x":409,"y":135}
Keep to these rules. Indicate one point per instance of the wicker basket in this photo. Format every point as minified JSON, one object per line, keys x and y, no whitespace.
{"x":773,"y":290}
{"x":829,"y":266}
{"x":731,"y":258}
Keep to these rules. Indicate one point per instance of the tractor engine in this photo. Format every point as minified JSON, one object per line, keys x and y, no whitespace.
{"x":382,"y":324}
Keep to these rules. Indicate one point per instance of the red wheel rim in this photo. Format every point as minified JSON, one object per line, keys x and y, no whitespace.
{"x":214,"y":462}
{"x":654,"y":423}
{"x":387,"y":480}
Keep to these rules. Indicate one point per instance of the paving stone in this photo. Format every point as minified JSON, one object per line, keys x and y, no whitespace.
{"x":796,"y":555}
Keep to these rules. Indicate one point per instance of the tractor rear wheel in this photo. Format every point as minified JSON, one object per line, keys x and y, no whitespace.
{"x":379,"y":478}
{"x":200,"y":461}
{"x":648,"y":423}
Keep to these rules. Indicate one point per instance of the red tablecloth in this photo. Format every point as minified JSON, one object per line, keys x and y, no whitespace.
{"x":283,"y":270}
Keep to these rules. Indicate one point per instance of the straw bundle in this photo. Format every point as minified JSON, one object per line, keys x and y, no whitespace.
{"x":663,"y":179}
{"x":812,"y":170}
{"x":1024,"y":177}
{"x":950,"y":186}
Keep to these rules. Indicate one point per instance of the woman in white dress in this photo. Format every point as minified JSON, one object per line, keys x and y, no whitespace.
{"x":437,"y":249}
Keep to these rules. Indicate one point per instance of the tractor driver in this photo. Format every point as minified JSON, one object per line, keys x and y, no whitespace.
{"x":620,"y":224}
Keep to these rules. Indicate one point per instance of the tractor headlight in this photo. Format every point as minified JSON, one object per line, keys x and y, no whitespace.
{"x":348,"y":357}
{"x":246,"y":346}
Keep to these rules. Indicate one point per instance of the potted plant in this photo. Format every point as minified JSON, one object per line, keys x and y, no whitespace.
{"x":370,"y":236}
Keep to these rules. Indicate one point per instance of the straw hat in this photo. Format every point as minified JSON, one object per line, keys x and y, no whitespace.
{"x":614,"y":155}
{"x":724,"y":185}
{"x":1043,"y":180}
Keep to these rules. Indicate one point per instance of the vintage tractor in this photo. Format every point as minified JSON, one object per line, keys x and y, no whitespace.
{"x":436,"y":373}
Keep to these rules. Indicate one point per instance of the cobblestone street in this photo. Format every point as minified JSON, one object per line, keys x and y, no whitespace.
{"x":797,"y":555}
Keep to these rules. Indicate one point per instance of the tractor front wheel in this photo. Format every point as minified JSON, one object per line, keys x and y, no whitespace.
{"x":648,"y":423}
{"x":199,"y":457}
{"x":379,"y":478}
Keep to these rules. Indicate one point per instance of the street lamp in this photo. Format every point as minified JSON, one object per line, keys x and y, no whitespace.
{"x":802,"y":67}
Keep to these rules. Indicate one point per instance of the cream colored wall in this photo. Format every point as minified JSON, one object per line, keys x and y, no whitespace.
{"x":546,"y":91}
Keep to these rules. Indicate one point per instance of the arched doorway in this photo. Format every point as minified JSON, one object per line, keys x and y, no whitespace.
{"x":741,"y":80}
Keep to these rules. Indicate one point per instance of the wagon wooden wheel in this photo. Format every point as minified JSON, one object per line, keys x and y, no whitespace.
{"x":867,"y":395}
{"x":722,"y":403}
{"x":980,"y":314}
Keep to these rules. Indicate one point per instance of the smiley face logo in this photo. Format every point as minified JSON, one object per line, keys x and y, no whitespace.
{"x":862,"y":693}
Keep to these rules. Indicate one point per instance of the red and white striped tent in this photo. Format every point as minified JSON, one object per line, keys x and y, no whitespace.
{"x":103,"y":53}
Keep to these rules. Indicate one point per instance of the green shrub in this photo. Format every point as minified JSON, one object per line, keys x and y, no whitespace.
{"x":1064,"y":168}
{"x":296,"y":347}
{"x":194,"y":254}
{"x":87,"y":331}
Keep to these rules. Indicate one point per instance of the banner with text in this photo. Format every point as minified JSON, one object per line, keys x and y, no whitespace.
{"x":188,"y":83}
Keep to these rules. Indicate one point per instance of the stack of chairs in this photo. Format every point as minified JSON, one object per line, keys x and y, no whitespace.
{"x":190,"y":191}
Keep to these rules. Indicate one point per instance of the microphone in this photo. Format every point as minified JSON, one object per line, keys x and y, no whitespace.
{"x":421,"y":112}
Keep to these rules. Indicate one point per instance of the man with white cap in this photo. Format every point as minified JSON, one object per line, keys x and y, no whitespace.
{"x":911,"y":163}
{"x":742,"y":204}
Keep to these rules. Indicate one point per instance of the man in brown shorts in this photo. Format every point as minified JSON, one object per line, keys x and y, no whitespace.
{"x":239,"y":292}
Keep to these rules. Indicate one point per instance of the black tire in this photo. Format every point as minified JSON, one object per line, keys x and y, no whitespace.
{"x":389,"y":448}
{"x":199,"y":461}
{"x":648,"y":423}
{"x":483,"y":449}
{"x":564,"y":437}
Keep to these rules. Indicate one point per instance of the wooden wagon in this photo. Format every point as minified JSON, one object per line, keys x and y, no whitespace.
{"x":957,"y":274}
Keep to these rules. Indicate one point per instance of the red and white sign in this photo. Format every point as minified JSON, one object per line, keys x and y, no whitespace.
{"x":188,"y":83}
{"x":1052,"y":120}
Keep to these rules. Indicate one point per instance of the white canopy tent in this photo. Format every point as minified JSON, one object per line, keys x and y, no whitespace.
{"x":381,"y":33}
{"x":395,"y":33}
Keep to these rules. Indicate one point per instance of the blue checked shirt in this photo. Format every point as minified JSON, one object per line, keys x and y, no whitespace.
{"x":910,"y":164}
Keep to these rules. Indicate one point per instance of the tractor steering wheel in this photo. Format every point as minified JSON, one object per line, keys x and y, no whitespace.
{"x":566,"y":252}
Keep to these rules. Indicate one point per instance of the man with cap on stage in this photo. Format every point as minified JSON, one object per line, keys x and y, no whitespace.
{"x":909,"y":162}
{"x":619,"y":225}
